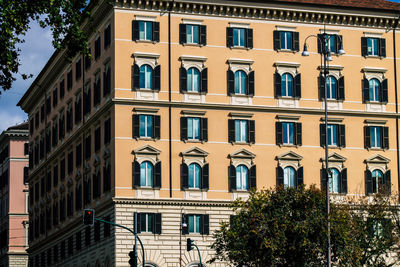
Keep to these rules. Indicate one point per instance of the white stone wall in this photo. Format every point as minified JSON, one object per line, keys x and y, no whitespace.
{"x":163,"y":250}
{"x":18,"y":260}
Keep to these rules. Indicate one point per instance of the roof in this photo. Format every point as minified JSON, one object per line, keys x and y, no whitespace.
{"x":22,"y":126}
{"x":365,"y":4}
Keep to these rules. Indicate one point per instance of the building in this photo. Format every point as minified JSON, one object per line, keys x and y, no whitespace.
{"x":14,"y":196}
{"x":176,"y":116}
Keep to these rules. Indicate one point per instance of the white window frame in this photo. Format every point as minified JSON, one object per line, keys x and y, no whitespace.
{"x":146,"y":135}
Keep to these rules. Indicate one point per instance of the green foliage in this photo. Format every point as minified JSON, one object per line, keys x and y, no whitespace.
{"x":288,"y":227}
{"x":63,"y":17}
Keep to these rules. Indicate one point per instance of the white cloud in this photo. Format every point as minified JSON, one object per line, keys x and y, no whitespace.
{"x":7,"y":119}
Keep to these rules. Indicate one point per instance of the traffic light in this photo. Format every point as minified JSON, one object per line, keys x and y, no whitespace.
{"x":88,"y":217}
{"x":189,"y":244}
{"x":132,"y":259}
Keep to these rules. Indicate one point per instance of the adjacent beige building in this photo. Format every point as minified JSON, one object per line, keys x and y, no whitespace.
{"x":179,"y":113}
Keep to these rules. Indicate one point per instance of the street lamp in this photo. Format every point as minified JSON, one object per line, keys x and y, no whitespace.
{"x":326,"y":54}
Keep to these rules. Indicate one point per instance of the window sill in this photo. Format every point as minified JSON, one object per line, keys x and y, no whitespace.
{"x":240,"y":143}
{"x":240,"y":47}
{"x":145,"y":138}
{"x":288,"y":145}
{"x":194,"y":189}
{"x":193,"y":93}
{"x":373,"y":56}
{"x":376,"y":149}
{"x":146,"y":41}
{"x":193,"y":44}
{"x":194,"y":141}
{"x":145,"y":90}
{"x":287,"y":51}
{"x":288,"y":97}
{"x":375,"y":102}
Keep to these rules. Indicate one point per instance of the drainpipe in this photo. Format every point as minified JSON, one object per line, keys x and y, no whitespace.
{"x":169,"y":99}
{"x":396,"y":101}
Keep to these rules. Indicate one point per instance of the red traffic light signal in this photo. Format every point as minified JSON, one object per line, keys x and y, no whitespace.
{"x":88,"y":217}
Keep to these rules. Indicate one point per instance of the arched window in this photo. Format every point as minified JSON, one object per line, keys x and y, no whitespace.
{"x":287,"y":84}
{"x":240,"y":82}
{"x":377,"y":181}
{"x":331,"y":87}
{"x":193,"y":80}
{"x":242,"y":174}
{"x":146,"y":77}
{"x":374,"y":87}
{"x":334,"y":183}
{"x":289,"y":177}
{"x":146,"y":174}
{"x":194,"y":176}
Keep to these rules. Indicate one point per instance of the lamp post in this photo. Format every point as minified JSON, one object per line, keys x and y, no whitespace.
{"x":325,"y":57}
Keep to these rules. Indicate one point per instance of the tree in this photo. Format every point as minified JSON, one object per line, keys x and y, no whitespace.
{"x":64,"y":17}
{"x":287,"y":227}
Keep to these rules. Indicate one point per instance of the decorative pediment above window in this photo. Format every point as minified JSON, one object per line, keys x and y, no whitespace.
{"x":334,"y":70}
{"x":146,"y":153}
{"x":377,"y":162}
{"x":289,"y":159}
{"x":374,"y":72}
{"x":242,"y":157}
{"x":335,"y":161}
{"x":142,"y":58}
{"x":240,"y":64}
{"x":193,"y":61}
{"x":194,"y":154}
{"x":287,"y":67}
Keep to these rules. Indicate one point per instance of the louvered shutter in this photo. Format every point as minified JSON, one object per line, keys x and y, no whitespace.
{"x":299,"y":176}
{"x":252,"y":131}
{"x":156,"y":128}
{"x":342,"y":135}
{"x":156,"y":31}
{"x":297,"y":83}
{"x":135,"y":126}
{"x":279,"y":176}
{"x":136,"y":174}
{"x":183,"y":128}
{"x":204,"y":81}
{"x":137,"y":220}
{"x":296,"y":45}
{"x":136,"y":77}
{"x":205,"y":224}
{"x":277,"y":40}
{"x":339,"y":42}
{"x":364,"y":46}
{"x":343,"y":181}
{"x":324,"y":176}
{"x":320,"y":44}
{"x":387,"y":182}
{"x":157,"y":223}
{"x":385,"y":134}
{"x":231,"y":131}
{"x":182,"y":33}
{"x":382,"y":47}
{"x":157,"y":175}
{"x":321,"y":83}
{"x":157,"y":78}
{"x":250,"y":86}
{"x":253,"y":177}
{"x":278,"y":84}
{"x":279,"y":133}
{"x":184,"y":176}
{"x":203,"y":34}
{"x":298,"y":128}
{"x":231,"y":82}
{"x":368,"y":182}
{"x":183,"y":79}
{"x":229,"y":37}
{"x":232,"y":177}
{"x":322,"y":134}
{"x":205,"y":177}
{"x":341,"y":88}
{"x":367,"y":137}
{"x":204,"y":129}
{"x":135,"y":30}
{"x":365,"y":90}
{"x":249,"y":39}
{"x":384,"y":91}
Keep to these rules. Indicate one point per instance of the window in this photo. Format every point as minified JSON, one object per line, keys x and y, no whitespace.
{"x":55,"y":96}
{"x":242,"y":173}
{"x":48,"y":110}
{"x":336,"y":135}
{"x":145,"y":77}
{"x":192,"y":34}
{"x":145,"y":31}
{"x":96,"y":232}
{"x":149,"y":223}
{"x":107,"y":36}
{"x":240,"y":130}
{"x":146,"y":174}
{"x":107,"y":79}
{"x":334,"y":87}
{"x":69,"y":117}
{"x":378,"y":182}
{"x":62,"y":169}
{"x":287,"y":86}
{"x":373,"y":47}
{"x":196,"y":224}
{"x":286,"y":40}
{"x":239,"y":37}
{"x":97,"y":48}
{"x":87,"y":99}
{"x":88,"y":60}
{"x":78,"y":155}
{"x":288,"y":133}
{"x":289,"y":177}
{"x":88,"y":147}
{"x":97,"y":139}
{"x":78,"y":108}
{"x":61,"y":127}
{"x":78,"y":196}
{"x":55,"y":175}
{"x":193,"y":128}
{"x":70,"y":162}
{"x":331,"y":87}
{"x":334,"y":43}
{"x":69,"y":80}
{"x":337,"y":180}
{"x":193,"y":80}
{"x":78,"y":70}
{"x":146,"y":126}
{"x":107,"y":131}
{"x":194,"y":176}
{"x":376,"y":137}
{"x":193,"y":132}
{"x":240,"y":82}
{"x":375,"y":91}
{"x":96,"y":90}
{"x":78,"y":240}
{"x":242,"y":178}
{"x":106,"y":178}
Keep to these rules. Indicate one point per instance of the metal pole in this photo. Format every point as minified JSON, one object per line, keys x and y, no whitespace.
{"x":135,"y":230}
{"x":325,"y":52}
{"x":198,"y":251}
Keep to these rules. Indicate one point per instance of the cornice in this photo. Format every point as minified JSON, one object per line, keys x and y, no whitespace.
{"x":173,"y":202}
{"x":294,"y":12}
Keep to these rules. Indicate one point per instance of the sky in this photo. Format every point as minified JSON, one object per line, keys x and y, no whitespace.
{"x":35,"y":52}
